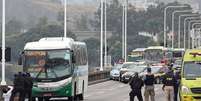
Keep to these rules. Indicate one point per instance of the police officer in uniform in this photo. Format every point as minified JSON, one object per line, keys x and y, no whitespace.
{"x":136,"y":84}
{"x":168,"y":87}
{"x":18,"y":87}
{"x":28,"y":86}
{"x":176,"y":84}
{"x":149,"y":85}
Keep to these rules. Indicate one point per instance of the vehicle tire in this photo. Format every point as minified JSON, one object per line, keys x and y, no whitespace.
{"x":40,"y":99}
{"x":33,"y":99}
{"x":47,"y":99}
{"x":71,"y":98}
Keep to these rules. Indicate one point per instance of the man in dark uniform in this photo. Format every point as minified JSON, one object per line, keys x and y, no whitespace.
{"x":168,"y":87}
{"x":18,"y":87}
{"x":149,"y":80}
{"x":176,"y":84}
{"x":28,"y":83}
{"x":136,"y":84}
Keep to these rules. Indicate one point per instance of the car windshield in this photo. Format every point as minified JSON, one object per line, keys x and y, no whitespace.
{"x":155,"y":69}
{"x":153,"y":55}
{"x":178,"y":62}
{"x":137,"y":68}
{"x":177,"y":54}
{"x":128,"y":65}
{"x":192,"y":69}
{"x":117,"y":67}
{"x":48,"y":64}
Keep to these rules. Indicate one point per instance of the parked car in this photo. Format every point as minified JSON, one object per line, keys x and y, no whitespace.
{"x":115,"y":72}
{"x":132,"y":69}
{"x":158,"y":71}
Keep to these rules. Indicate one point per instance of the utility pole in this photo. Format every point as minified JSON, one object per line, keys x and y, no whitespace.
{"x":65,"y":18}
{"x":126,"y":11}
{"x":3,"y":81}
{"x":101,"y":43}
{"x":105,"y":32}
{"x":123,"y":34}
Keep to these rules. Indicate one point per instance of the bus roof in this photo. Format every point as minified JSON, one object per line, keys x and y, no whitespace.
{"x":156,"y":47}
{"x":50,"y":43}
{"x":192,"y":55}
{"x":139,"y":50}
{"x":178,"y":49}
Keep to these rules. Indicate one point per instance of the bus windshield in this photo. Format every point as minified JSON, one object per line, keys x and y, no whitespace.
{"x":153,"y":55}
{"x":48,"y":64}
{"x":135,"y":56}
{"x":192,"y":69}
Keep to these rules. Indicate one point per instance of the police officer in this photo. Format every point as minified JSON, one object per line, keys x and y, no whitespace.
{"x":176,"y":84}
{"x":136,"y":84}
{"x":149,"y":85}
{"x":28,"y":83}
{"x":168,"y":87}
{"x":18,"y":87}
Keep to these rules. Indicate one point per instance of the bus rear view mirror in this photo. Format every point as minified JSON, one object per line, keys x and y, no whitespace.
{"x":20,"y":58}
{"x":73,"y":57}
{"x":7,"y":54}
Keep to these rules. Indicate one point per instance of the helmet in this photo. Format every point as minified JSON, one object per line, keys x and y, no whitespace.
{"x":149,"y":69}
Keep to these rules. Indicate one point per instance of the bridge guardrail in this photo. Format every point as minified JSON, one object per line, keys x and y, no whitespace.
{"x":102,"y":75}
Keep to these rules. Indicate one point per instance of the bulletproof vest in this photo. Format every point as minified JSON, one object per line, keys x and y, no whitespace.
{"x":136,"y":83}
{"x":169,"y":79}
{"x":19,"y":82}
{"x":149,"y":80}
{"x":28,"y":82}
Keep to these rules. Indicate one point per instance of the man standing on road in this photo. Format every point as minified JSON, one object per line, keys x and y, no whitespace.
{"x":28,"y":83}
{"x":136,"y":84}
{"x":176,"y":84}
{"x":149,"y":85}
{"x":168,"y":87}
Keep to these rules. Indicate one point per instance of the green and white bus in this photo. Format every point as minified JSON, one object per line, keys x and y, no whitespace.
{"x":58,"y":66}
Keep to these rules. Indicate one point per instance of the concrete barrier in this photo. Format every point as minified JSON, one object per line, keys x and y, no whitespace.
{"x":97,"y":77}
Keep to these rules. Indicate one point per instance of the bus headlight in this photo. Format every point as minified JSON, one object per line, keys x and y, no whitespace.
{"x":185,"y":90}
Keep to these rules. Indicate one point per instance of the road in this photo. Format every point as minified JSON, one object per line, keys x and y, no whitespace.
{"x":115,"y":91}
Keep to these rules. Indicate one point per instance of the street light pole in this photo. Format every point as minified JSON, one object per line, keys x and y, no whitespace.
{"x":65,"y":18}
{"x":123,"y":34}
{"x":126,"y":11}
{"x":105,"y":32}
{"x":3,"y":81}
{"x":193,"y":26}
{"x":101,"y":43}
{"x":189,"y":29}
{"x":173,"y":14}
{"x":185,"y":20}
{"x":179,"y":27}
{"x":165,"y":23}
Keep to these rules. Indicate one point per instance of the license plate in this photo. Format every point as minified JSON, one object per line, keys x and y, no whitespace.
{"x":47,"y":94}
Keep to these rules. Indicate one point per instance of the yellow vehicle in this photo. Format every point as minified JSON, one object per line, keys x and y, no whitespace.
{"x":190,"y":89}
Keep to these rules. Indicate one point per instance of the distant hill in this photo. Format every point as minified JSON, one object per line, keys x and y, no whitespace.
{"x":28,"y":11}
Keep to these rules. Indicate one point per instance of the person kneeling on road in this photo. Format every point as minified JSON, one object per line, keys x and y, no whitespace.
{"x":136,"y":84}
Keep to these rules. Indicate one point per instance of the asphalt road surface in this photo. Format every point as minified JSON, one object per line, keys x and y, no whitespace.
{"x":116,"y":91}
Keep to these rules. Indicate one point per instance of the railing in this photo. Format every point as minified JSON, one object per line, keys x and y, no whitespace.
{"x":97,"y":76}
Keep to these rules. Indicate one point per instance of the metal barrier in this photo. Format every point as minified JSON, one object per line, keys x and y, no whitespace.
{"x":99,"y":76}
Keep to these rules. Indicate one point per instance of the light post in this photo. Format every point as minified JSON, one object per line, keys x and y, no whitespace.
{"x":101,"y":43}
{"x":179,"y":26}
{"x":105,"y":10}
{"x":189,"y":29}
{"x":3,"y":81}
{"x":173,"y":14}
{"x":125,"y":29}
{"x":185,"y":20}
{"x":165,"y":23}
{"x":123,"y":34}
{"x":65,"y":18}
{"x":193,"y":26}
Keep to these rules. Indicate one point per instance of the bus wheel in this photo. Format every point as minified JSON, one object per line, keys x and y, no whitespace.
{"x":47,"y":99}
{"x":71,"y":98}
{"x":33,"y":99}
{"x":40,"y":99}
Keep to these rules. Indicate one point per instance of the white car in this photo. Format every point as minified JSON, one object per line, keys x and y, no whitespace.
{"x":115,"y":72}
